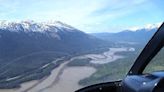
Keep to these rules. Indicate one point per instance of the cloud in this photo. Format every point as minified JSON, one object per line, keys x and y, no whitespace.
{"x":87,"y":15}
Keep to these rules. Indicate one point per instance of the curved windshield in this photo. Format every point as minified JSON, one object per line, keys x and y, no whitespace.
{"x":65,"y":45}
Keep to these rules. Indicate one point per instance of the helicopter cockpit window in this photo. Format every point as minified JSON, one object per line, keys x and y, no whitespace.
{"x":156,"y":64}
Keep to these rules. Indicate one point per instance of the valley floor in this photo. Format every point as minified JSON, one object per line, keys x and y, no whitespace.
{"x":66,"y":78}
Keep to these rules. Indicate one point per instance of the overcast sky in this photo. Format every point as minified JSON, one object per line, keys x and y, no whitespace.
{"x":86,"y":15}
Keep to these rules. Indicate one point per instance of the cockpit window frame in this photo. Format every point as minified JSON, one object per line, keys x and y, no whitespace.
{"x":148,"y":53}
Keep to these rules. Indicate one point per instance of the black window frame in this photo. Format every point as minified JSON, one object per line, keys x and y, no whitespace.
{"x":148,"y":53}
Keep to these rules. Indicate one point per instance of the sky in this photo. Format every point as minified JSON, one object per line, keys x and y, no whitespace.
{"x":90,"y":16}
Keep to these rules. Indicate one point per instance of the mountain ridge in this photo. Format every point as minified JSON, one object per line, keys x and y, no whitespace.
{"x":25,"y":51}
{"x":32,"y":26}
{"x":139,"y":35}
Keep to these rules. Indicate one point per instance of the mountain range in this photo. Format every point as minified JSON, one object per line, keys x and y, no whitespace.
{"x":137,"y":36}
{"x":27,"y":37}
{"x":31,"y":50}
{"x":25,"y":47}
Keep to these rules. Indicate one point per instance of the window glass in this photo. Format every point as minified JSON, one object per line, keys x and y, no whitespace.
{"x":65,"y":45}
{"x":157,"y":63}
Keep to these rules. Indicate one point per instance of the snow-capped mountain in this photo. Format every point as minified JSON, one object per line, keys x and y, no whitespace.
{"x":136,"y":34}
{"x":22,"y":38}
{"x":31,"y":26}
{"x":146,"y":27}
{"x":25,"y":47}
{"x":53,"y":29}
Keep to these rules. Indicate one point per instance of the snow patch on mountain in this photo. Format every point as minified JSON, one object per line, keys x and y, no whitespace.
{"x":31,"y":26}
{"x":147,"y":27}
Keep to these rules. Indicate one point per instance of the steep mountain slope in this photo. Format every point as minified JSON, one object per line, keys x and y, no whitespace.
{"x":18,"y":39}
{"x":27,"y":49}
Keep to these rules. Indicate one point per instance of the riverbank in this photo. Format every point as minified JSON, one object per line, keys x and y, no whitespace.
{"x":68,"y":77}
